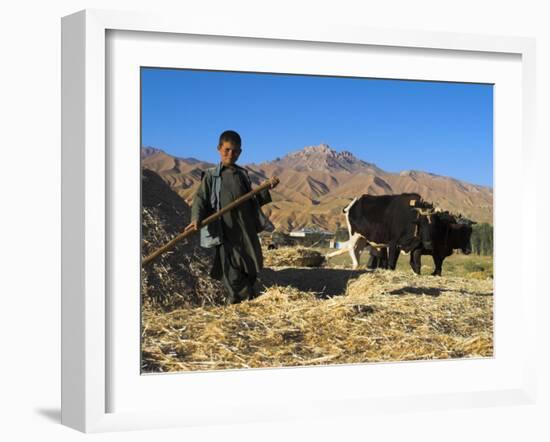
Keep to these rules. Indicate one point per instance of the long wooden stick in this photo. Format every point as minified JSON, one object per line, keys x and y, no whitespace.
{"x":204,"y":222}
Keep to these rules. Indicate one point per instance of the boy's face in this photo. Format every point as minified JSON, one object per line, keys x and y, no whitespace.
{"x":229,"y":153}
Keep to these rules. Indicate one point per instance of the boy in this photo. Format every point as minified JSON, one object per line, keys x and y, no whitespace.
{"x":238,"y":255}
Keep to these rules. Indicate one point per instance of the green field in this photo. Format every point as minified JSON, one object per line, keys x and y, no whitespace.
{"x":468,"y":266}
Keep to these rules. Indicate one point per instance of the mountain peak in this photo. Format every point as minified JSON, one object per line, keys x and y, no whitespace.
{"x":320,"y":149}
{"x":323,"y":158}
{"x":147,"y":151}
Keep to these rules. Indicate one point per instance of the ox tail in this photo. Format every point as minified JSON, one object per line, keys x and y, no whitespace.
{"x":348,"y":207}
{"x":346,"y":214}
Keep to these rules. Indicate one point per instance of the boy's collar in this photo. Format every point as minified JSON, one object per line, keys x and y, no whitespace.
{"x":220,"y":167}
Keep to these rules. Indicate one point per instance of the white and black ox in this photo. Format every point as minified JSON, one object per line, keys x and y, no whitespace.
{"x":387,"y":222}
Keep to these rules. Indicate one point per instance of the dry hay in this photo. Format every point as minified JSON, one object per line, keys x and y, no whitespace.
{"x":383,"y":316}
{"x":292,"y":256}
{"x":180,"y":277}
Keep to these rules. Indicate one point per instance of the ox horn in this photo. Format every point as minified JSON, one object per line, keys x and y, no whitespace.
{"x":423,"y":211}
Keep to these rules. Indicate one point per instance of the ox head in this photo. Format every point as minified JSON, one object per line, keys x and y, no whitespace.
{"x":464,"y":221}
{"x":463,"y":234}
{"x":424,"y":222}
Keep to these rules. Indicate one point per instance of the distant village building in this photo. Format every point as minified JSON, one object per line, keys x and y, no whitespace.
{"x":310,"y":231}
{"x":312,"y":236}
{"x":307,"y":237}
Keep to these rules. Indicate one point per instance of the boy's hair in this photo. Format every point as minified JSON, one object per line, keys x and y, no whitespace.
{"x":230,"y":136}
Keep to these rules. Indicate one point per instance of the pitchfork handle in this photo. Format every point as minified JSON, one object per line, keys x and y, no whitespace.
{"x":205,"y":222}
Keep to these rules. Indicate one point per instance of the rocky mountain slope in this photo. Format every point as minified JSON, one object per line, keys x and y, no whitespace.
{"x":318,"y":181}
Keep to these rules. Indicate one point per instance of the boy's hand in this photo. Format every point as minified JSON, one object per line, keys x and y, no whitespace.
{"x":194,"y":225}
{"x":274,"y":181}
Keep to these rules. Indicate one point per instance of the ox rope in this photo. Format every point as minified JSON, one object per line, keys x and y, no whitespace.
{"x":418,"y":214}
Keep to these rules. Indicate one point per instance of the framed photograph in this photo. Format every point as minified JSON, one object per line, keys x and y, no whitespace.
{"x":330,"y":123}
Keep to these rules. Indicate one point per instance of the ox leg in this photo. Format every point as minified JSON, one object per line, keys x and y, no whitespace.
{"x":346,"y":247}
{"x":372,"y":264}
{"x":393,"y":255}
{"x":438,"y":263}
{"x":416,"y":261}
{"x":355,"y":251}
{"x":351,"y":250}
{"x":354,"y":261}
{"x":373,"y":260}
{"x":360,"y":244}
{"x":338,"y":252}
{"x":383,"y":258}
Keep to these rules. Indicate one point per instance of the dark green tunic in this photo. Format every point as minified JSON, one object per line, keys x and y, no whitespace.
{"x":239,"y":258}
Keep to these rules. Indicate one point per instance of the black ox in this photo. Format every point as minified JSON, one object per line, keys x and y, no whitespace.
{"x":448,"y":233}
{"x":395,"y":222}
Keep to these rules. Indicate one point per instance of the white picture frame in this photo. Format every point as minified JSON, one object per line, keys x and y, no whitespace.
{"x":87,"y":212}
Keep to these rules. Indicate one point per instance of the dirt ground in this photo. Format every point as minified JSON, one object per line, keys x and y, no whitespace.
{"x":324,"y":282}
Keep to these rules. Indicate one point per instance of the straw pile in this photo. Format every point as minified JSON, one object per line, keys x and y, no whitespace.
{"x":382,"y":316}
{"x":292,"y":256}
{"x":178,"y":278}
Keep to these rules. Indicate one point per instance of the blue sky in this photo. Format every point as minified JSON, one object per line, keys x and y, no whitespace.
{"x":443,"y":128}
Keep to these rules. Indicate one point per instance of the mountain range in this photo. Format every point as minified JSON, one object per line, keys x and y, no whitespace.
{"x":318,"y":181}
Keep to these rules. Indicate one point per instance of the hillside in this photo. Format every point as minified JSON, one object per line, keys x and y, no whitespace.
{"x":318,"y":181}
